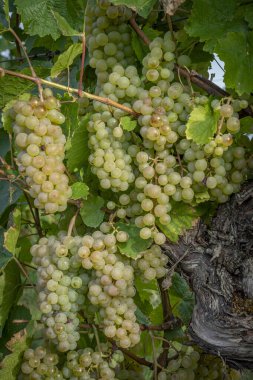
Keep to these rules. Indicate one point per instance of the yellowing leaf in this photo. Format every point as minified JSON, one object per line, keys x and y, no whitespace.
{"x":182,"y":218}
{"x":202,"y":124}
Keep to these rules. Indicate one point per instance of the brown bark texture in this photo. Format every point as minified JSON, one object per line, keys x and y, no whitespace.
{"x":219,"y":267}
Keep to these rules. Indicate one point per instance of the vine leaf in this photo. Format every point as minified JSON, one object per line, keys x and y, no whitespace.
{"x":38,"y":18}
{"x":202,"y":124}
{"x":134,"y":245}
{"x":66,"y":59}
{"x":5,"y":256}
{"x":6,"y":10}
{"x":127,"y":123}
{"x":12,"y":87}
{"x":10,"y":365}
{"x":182,"y":218}
{"x":9,"y":284}
{"x":9,"y":194}
{"x":238,"y":71}
{"x":91,"y":212}
{"x":142,"y":7}
{"x":246,"y":125}
{"x":12,"y":234}
{"x":77,"y":155}
{"x":138,"y":46}
{"x":69,"y":108}
{"x":219,"y":15}
{"x":202,"y":197}
{"x":79,"y":190}
{"x":64,"y":26}
{"x":181,"y":298}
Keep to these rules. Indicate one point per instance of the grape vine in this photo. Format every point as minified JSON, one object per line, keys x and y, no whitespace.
{"x":96,"y":234}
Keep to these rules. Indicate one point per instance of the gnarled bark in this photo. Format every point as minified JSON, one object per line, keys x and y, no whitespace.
{"x":219,"y":265}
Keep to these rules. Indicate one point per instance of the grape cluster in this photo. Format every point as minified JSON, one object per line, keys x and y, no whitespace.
{"x":41,"y":145}
{"x":110,"y":49}
{"x":61,"y":286}
{"x":109,"y":160}
{"x":109,"y":39}
{"x":88,"y":364}
{"x":186,"y":363}
{"x":112,"y":287}
{"x":40,"y":363}
{"x":152,"y":264}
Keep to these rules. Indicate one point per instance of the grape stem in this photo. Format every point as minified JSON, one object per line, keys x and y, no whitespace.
{"x":163,"y":326}
{"x":35,"y":214}
{"x":137,"y":359}
{"x":154,"y":354}
{"x":36,"y":79}
{"x":100,"y":99}
{"x":140,"y":32}
{"x":167,"y":317}
{"x":80,"y":87}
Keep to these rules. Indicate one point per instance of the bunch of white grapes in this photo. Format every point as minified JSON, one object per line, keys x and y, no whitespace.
{"x":89,"y":364}
{"x":41,"y":145}
{"x":40,"y":363}
{"x":186,"y":363}
{"x":152,"y":263}
{"x":108,"y":144}
{"x":112,"y":288}
{"x":168,"y":167}
{"x":61,"y":288}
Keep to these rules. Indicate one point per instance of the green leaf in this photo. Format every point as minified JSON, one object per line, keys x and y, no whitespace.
{"x":202,"y":197}
{"x":9,"y":194}
{"x":246,"y":125}
{"x":12,"y":234}
{"x":64,"y":26}
{"x":141,"y":317}
{"x":219,"y":15}
{"x":10,"y":365}
{"x":138,"y":46}
{"x":248,"y":14}
{"x":7,"y":121}
{"x":79,"y":190}
{"x":142,"y":7}
{"x":150,"y":32}
{"x":134,"y":244}
{"x":182,"y":218}
{"x":156,"y":315}
{"x":29,"y":298}
{"x":7,"y":10}
{"x":202,"y":124}
{"x":5,"y":256}
{"x":69,"y":109}
{"x":238,"y":67}
{"x":4,"y":143}
{"x":17,"y":312}
{"x":148,"y":291}
{"x":77,"y":155}
{"x":181,"y":298}
{"x":91,"y":212}
{"x":12,"y":87}
{"x":127,"y":123}
{"x":37,"y":16}
{"x":66,"y":59}
{"x":9,"y":286}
